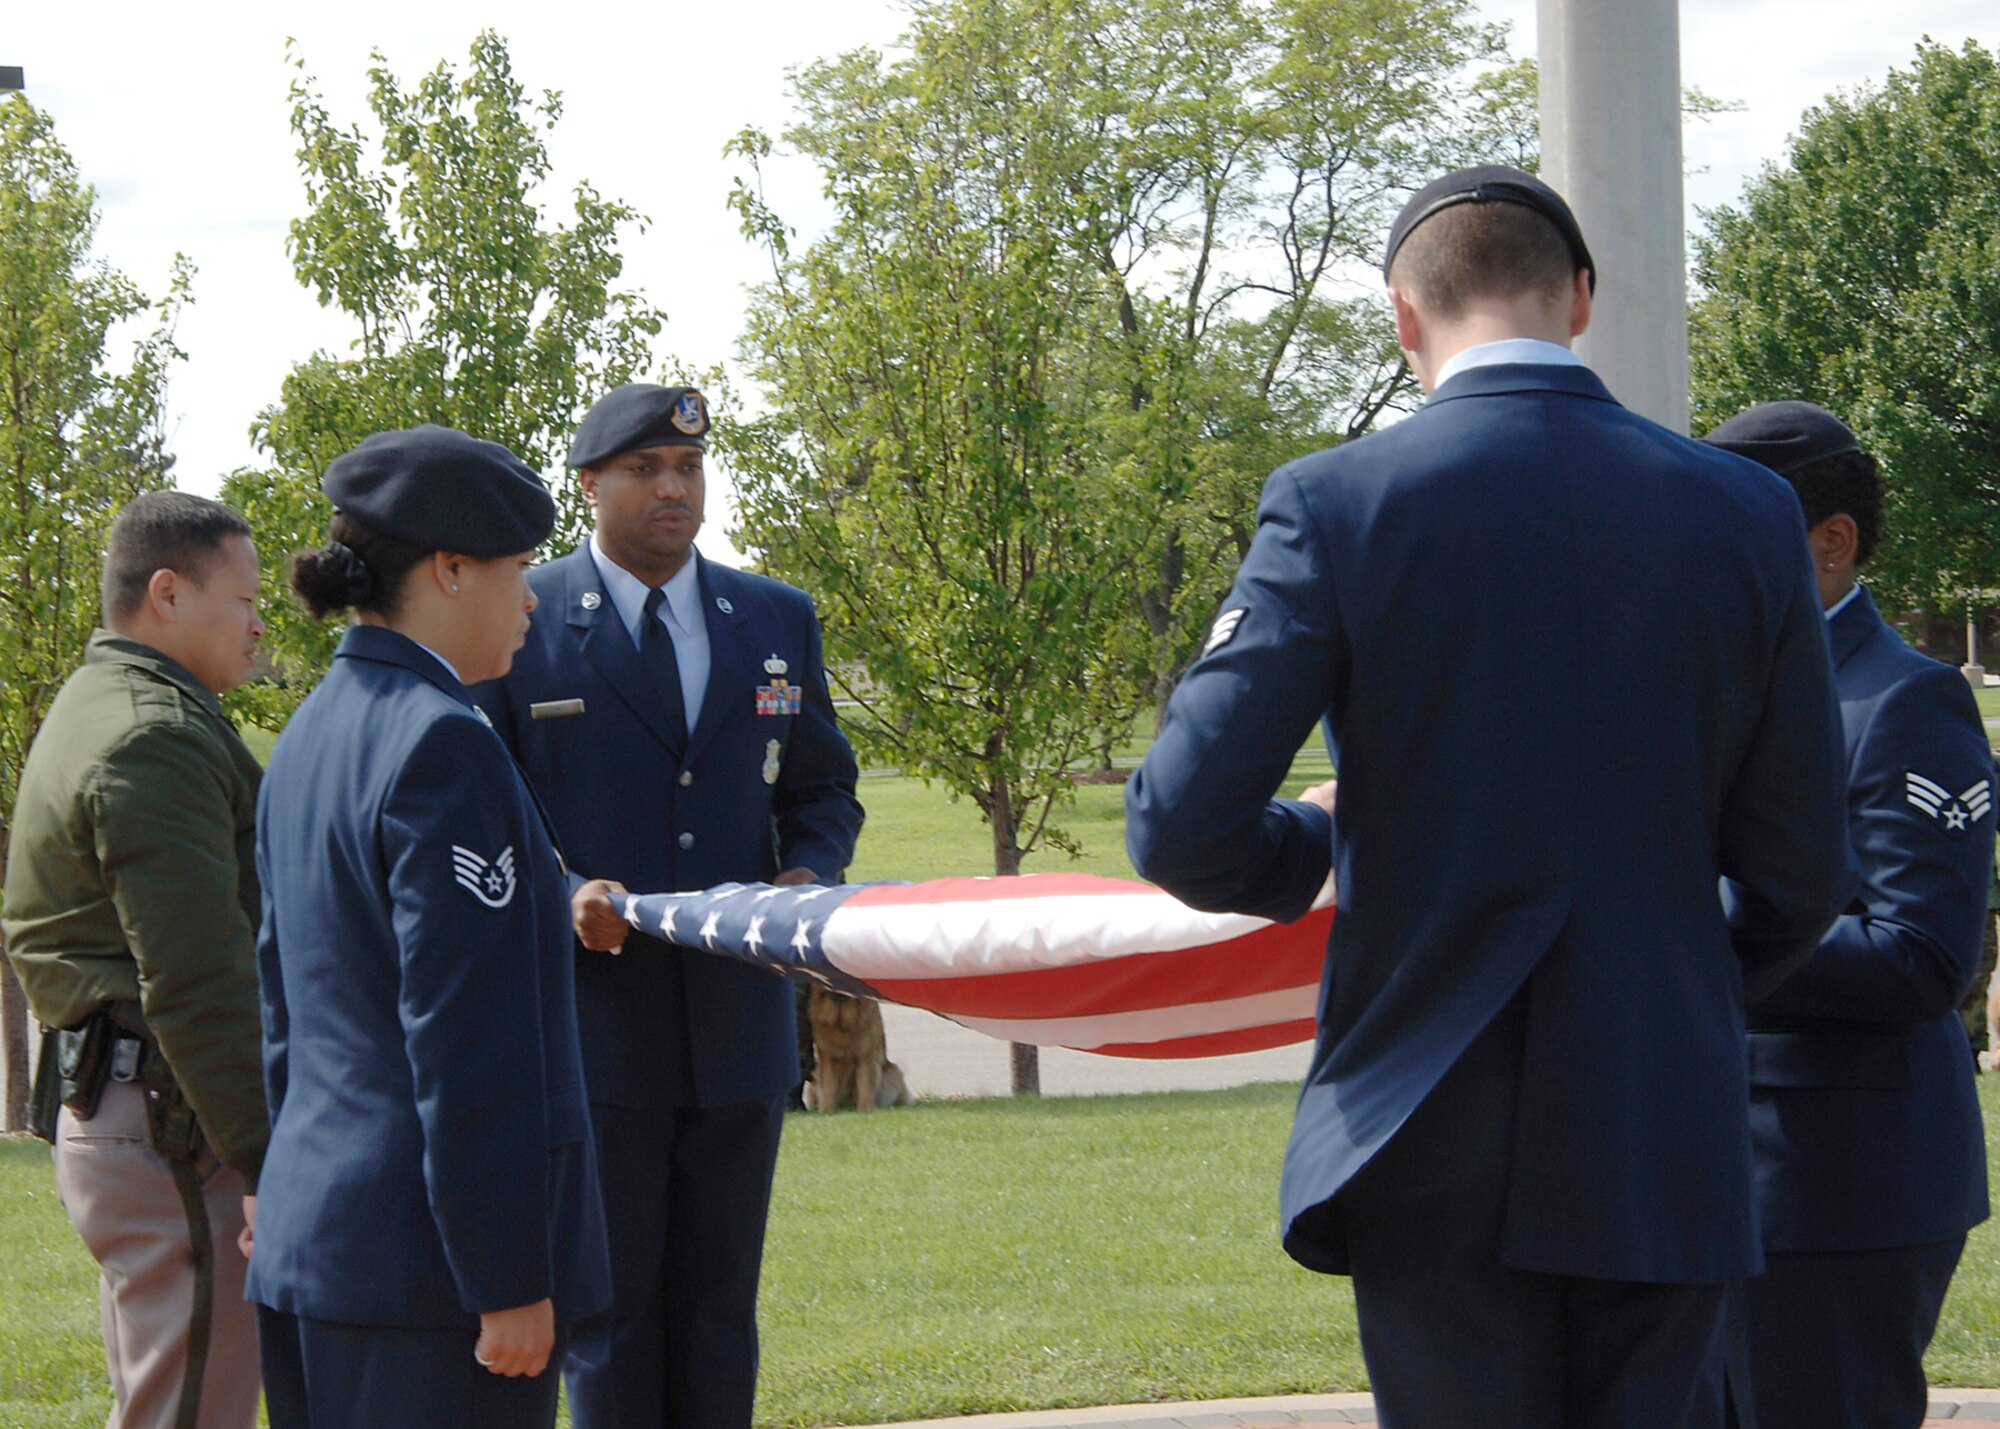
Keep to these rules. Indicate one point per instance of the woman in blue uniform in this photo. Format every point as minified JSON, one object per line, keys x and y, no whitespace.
{"x":1870,"y":1158}
{"x":428,"y":1224}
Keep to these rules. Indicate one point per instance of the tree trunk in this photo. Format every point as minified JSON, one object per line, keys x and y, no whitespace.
{"x":1026,"y":1061}
{"x":13,"y":1031}
{"x":13,"y":1052}
{"x":1027,"y":1068}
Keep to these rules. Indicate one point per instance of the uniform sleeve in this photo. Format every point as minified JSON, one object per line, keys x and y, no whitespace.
{"x":1921,"y":811}
{"x":817,"y":815}
{"x":465,"y":923}
{"x":277,"y":1014}
{"x":1199,"y":817}
{"x":165,"y":822}
{"x":1784,"y":819}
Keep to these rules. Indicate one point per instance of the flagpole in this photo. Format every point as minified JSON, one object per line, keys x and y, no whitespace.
{"x":1611,"y":145}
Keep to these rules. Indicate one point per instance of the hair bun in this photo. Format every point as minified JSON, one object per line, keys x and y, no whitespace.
{"x":356,"y":576}
{"x":334,"y":577}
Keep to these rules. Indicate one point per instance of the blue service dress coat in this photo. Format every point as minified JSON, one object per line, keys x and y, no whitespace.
{"x":431,"y":1157}
{"x":1566,"y":684}
{"x":1863,"y":1111}
{"x":757,"y":786}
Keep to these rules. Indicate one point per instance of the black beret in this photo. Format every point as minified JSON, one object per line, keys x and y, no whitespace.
{"x":1491,"y":183}
{"x":639,"y":414}
{"x":440,"y":489}
{"x":1785,"y":435}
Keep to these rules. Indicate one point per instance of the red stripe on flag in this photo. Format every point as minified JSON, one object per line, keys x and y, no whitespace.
{"x":1278,"y":956}
{"x":1215,"y":1044}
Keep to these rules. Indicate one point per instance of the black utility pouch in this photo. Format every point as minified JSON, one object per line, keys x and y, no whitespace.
{"x":169,"y":1119}
{"x":45,"y":1098}
{"x":83,"y":1063}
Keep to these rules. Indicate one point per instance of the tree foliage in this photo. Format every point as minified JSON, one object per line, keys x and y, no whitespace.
{"x":470,"y":308}
{"x":1089,"y":278}
{"x":1864,"y":274}
{"x":79,"y":437}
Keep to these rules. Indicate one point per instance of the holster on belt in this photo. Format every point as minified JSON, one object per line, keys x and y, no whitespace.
{"x":72,"y":1070}
{"x":171,"y":1121}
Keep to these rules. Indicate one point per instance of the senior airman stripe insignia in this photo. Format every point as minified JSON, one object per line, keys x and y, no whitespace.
{"x":1954,"y":813}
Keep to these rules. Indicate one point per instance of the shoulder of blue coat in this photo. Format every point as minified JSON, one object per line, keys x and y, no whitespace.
{"x":741,"y":585}
{"x":1885,"y":664}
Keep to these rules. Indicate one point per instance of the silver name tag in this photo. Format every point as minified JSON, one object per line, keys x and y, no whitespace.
{"x":555,"y":709}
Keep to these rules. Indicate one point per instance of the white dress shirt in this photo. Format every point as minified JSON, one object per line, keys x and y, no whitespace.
{"x":1507,"y":349}
{"x":680,"y":612}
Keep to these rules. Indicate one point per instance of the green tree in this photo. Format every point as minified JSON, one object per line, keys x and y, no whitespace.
{"x":1082,"y":289}
{"x":79,"y":437}
{"x":470,"y":308}
{"x":1864,"y":274}
{"x":1119,"y":230}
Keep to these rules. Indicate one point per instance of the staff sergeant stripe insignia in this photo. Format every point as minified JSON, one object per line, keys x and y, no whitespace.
{"x":491,"y":883}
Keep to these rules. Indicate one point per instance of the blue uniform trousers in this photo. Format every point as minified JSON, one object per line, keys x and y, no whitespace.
{"x":323,"y":1375}
{"x":686,"y":1194}
{"x":1837,"y":1338}
{"x":1451,"y":1335}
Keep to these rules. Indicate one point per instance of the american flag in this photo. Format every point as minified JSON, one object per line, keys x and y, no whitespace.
{"x":1052,"y":959}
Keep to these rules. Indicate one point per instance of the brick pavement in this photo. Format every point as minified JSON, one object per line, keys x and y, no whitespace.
{"x":1948,"y":1407}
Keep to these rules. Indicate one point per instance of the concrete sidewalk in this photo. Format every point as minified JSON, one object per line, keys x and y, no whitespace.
{"x":942,"y":1059}
{"x":1948,"y":1406}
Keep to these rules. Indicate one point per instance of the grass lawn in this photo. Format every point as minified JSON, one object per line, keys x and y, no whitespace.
{"x":963,"y":1257}
{"x":916,"y":833}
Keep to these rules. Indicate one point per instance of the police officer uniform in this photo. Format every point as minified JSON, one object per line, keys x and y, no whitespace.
{"x":689,"y":1058}
{"x":1870,"y":1154}
{"x":1564,"y":681}
{"x":430,"y":1156}
{"x":130,"y":908}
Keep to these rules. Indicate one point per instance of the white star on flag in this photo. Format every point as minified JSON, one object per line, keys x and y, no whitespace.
{"x":753,"y":940}
{"x":711,"y":928}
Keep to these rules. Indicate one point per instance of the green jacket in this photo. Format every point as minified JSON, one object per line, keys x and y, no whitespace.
{"x":131,"y":876}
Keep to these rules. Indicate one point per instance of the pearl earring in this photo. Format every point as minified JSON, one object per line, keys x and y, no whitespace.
{"x":454,"y":589}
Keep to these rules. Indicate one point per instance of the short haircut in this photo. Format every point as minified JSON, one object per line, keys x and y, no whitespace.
{"x":162,"y":530}
{"x":1482,"y":250}
{"x":1844,"y":484}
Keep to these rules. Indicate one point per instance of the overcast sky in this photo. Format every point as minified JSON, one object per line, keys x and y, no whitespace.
{"x":179,"y":114}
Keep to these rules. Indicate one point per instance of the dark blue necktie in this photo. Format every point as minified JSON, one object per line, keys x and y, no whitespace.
{"x":656,"y":648}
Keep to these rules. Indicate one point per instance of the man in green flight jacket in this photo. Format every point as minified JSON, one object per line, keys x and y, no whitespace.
{"x":130,"y":913}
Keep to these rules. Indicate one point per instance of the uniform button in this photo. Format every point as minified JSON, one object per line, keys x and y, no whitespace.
{"x":687,"y":777}
{"x":687,"y":840}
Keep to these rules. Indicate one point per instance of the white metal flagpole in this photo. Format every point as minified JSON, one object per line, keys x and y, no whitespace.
{"x":1611,"y":145}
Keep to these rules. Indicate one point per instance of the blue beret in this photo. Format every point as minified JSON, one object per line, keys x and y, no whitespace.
{"x":639,"y":414}
{"x":440,"y":489}
{"x":1785,"y":435}
{"x":1491,"y":183}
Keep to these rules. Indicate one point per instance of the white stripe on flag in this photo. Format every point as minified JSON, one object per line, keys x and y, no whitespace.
{"x":1002,"y":935}
{"x":1155,"y":1024}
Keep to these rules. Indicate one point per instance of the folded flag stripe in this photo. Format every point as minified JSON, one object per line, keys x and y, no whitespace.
{"x":1266,"y":959}
{"x":1061,"y":960}
{"x":1152,"y":1025}
{"x":1217,"y":1044}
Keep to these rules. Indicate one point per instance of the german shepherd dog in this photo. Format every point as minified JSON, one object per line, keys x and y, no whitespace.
{"x":851,"y":1066}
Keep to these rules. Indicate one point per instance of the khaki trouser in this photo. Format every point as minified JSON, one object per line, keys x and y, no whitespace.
{"x":123,"y":1199}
